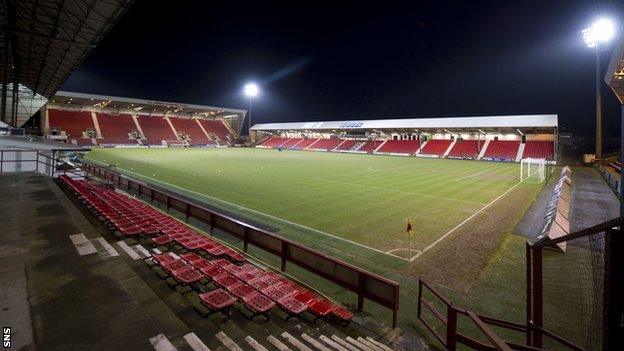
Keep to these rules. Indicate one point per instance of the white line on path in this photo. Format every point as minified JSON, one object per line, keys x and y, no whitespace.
{"x":195,"y":342}
{"x":380,"y":344}
{"x":108,"y":247}
{"x":358,"y":344}
{"x":278,"y":344}
{"x":314,"y":343}
{"x":369,"y":344}
{"x":295,"y":342}
{"x":128,"y":250}
{"x":143,"y":250}
{"x":229,"y":343}
{"x":344,"y":343}
{"x":161,"y":343}
{"x":332,"y":343}
{"x":253,"y":343}
{"x":462,"y":223}
{"x":82,"y":244}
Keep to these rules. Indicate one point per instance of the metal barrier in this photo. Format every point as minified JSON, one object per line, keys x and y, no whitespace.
{"x":12,"y":160}
{"x":365,"y":284}
{"x":605,"y":282}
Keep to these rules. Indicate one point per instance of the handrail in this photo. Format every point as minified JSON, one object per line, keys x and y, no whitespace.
{"x":615,"y":222}
{"x":489,"y":333}
{"x":365,"y":284}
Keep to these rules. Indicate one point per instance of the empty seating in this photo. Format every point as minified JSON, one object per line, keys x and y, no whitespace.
{"x":370,"y":146}
{"x":291,"y":143}
{"x":502,"y":150}
{"x":74,"y":123}
{"x":539,"y":149}
{"x":156,"y":129}
{"x":326,"y":144}
{"x":305,"y":143}
{"x":221,"y":278}
{"x":465,"y":149}
{"x":274,"y":142}
{"x":116,"y":129}
{"x":218,"y":128}
{"x":400,"y":146}
{"x":435,"y":147}
{"x":347,"y":144}
{"x":191,"y":129}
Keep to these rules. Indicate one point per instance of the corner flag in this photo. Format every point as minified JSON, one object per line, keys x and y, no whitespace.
{"x":410,"y":229}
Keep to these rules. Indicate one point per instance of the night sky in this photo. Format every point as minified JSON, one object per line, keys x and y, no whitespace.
{"x":342,"y":60}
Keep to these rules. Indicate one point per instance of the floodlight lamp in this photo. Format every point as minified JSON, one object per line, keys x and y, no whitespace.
{"x":251,"y":89}
{"x":602,"y":30}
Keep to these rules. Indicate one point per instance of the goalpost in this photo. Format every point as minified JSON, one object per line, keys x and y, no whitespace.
{"x":533,"y":170}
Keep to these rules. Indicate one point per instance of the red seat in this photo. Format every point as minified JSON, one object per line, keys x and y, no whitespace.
{"x":321,"y":307}
{"x":225,"y":280}
{"x":292,"y":305}
{"x":217,"y":299}
{"x":189,"y":276}
{"x":342,"y":314}
{"x":258,"y":303}
{"x":161,"y":240}
{"x":241,"y":290}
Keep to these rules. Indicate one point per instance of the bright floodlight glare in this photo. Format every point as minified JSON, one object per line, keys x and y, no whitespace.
{"x":601,"y":31}
{"x":251,"y":89}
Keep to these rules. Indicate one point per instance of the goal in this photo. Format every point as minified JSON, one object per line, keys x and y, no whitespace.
{"x":532,"y":170}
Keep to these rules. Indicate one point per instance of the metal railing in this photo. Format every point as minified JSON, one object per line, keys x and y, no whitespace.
{"x":365,"y":284}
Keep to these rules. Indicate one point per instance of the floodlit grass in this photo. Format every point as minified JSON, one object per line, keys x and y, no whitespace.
{"x":361,"y":198}
{"x":354,"y":207}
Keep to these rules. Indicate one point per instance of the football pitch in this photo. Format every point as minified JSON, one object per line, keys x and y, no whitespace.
{"x":357,"y":200}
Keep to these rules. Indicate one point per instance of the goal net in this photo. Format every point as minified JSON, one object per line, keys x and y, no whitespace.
{"x":533,"y":170}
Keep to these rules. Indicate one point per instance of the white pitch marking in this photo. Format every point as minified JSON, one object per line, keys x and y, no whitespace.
{"x":161,"y":343}
{"x":268,"y":215}
{"x":143,"y":251}
{"x":295,"y":342}
{"x":108,"y":247}
{"x":402,"y":249}
{"x":314,"y":343}
{"x":229,"y":343}
{"x":358,"y":344}
{"x":462,"y":223}
{"x":82,"y":244}
{"x":332,"y":343}
{"x":128,"y":250}
{"x":253,"y":343}
{"x":344,"y":343}
{"x":278,"y":344}
{"x":378,"y":343}
{"x":472,"y":175}
{"x":195,"y":342}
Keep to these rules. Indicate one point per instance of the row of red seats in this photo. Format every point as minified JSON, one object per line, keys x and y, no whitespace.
{"x":257,"y":289}
{"x":435,"y":147}
{"x":539,"y":149}
{"x":346,"y":145}
{"x":465,"y":149}
{"x":400,"y":146}
{"x":502,"y":150}
{"x":192,"y":130}
{"x":327,"y":144}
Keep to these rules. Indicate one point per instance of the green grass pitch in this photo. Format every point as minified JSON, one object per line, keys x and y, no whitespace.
{"x":361,"y":200}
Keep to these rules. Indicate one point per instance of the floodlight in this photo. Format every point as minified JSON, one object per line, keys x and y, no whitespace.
{"x":251,"y":89}
{"x":601,"y":31}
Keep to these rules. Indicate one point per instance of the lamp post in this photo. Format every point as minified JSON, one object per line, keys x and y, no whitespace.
{"x":251,"y":91}
{"x":600,"y":32}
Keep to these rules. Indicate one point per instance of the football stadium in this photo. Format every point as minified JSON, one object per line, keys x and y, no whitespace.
{"x":139,"y":224}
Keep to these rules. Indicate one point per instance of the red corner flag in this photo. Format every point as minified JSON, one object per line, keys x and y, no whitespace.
{"x":409,"y":229}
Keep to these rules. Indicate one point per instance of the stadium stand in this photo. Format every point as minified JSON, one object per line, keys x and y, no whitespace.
{"x":192,"y":130}
{"x":218,"y":128}
{"x":502,"y":150}
{"x":291,"y":142}
{"x":539,"y":149}
{"x":327,"y":144}
{"x":116,"y":129}
{"x":307,"y":142}
{"x":436,"y":147}
{"x":347,"y":145}
{"x":274,"y":142}
{"x":194,"y":262}
{"x":464,"y":149}
{"x":73,"y":123}
{"x":156,"y":129}
{"x":400,"y":146}
{"x":370,"y":146}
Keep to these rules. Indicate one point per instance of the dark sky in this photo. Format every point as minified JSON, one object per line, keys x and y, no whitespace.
{"x":338,"y":60}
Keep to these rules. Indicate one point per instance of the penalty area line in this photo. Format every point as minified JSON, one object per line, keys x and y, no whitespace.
{"x":430,"y":246}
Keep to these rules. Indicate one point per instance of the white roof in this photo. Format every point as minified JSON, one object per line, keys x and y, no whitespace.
{"x":515,"y":121}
